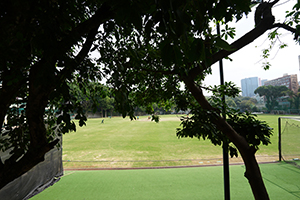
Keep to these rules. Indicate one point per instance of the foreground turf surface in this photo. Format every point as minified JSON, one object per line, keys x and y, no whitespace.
{"x":282,"y":182}
{"x":120,"y":142}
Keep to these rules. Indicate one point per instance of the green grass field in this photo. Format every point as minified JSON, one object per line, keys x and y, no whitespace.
{"x":282,"y":182}
{"x":120,"y":142}
{"x":290,"y":135}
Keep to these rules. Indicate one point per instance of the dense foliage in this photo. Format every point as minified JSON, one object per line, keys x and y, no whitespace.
{"x":272,"y":93}
{"x":147,"y":51}
{"x":44,"y":46}
{"x":201,"y":123}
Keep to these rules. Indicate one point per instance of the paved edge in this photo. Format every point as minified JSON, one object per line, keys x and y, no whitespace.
{"x":166,"y":167}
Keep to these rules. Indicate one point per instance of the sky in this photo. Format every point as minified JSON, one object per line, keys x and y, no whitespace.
{"x":247,"y":62}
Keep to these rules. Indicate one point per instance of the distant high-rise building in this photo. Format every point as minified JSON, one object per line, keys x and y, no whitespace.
{"x":249,"y":85}
{"x":290,"y":81}
{"x":263,"y":82}
{"x":299,"y":61}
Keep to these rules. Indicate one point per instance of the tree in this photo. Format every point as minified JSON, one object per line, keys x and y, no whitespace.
{"x":230,"y":102}
{"x":147,"y":48}
{"x":106,"y":104}
{"x":91,"y":95}
{"x":246,"y":105}
{"x":271,"y":93}
{"x":175,"y":43}
{"x":294,"y":99}
{"x":44,"y":45}
{"x":242,"y":103}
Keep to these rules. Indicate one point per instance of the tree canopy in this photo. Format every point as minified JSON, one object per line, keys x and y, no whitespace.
{"x":44,"y":46}
{"x":272,"y":93}
{"x":146,"y":49}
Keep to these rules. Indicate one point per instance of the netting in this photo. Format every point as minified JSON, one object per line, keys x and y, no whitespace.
{"x":289,"y":139}
{"x":35,"y":180}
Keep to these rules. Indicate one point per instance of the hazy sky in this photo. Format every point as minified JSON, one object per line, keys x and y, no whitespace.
{"x":247,"y":62}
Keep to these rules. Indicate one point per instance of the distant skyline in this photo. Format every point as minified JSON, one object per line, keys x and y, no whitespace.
{"x":247,"y":62}
{"x":249,"y":85}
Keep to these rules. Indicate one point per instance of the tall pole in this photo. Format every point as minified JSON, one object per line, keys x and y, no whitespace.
{"x":225,"y":142}
{"x":279,"y":138}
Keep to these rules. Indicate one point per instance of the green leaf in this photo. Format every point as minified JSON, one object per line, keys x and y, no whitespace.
{"x":196,"y":51}
{"x":166,"y":54}
{"x":155,"y":118}
{"x":223,"y":44}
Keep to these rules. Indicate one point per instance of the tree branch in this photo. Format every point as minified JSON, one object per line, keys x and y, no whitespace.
{"x":220,"y":122}
{"x":89,"y":27}
{"x":265,"y":24}
{"x":101,"y":15}
{"x":72,"y":64}
{"x":41,"y":79}
{"x":1,"y":164}
{"x":45,"y":69}
{"x":284,"y":26}
{"x":42,"y":76}
{"x":163,"y":72}
{"x":252,"y":173}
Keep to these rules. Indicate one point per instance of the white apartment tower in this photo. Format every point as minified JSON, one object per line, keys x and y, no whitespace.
{"x":249,"y":85}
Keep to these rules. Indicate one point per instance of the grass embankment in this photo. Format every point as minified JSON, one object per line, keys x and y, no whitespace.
{"x":121,"y":142}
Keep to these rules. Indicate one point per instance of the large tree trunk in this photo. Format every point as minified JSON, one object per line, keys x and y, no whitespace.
{"x":14,"y":168}
{"x":42,"y":83}
{"x":35,"y":109}
{"x":252,"y":173}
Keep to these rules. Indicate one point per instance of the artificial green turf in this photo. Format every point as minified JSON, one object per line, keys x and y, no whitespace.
{"x":284,"y":178}
{"x":121,"y":139}
{"x":282,"y":182}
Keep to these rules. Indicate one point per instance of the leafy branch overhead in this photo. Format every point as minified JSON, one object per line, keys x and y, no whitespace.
{"x":148,"y":51}
{"x":201,"y":123}
{"x":176,"y":44}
